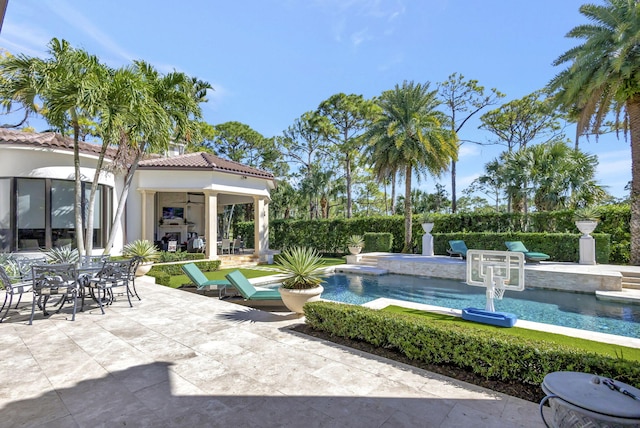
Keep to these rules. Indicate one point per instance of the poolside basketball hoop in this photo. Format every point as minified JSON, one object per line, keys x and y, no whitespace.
{"x":497,"y":271}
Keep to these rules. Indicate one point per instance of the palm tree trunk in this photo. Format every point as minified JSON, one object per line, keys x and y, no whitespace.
{"x":393,"y":192}
{"x":78,"y":185}
{"x":407,"y":211}
{"x":633,"y":109}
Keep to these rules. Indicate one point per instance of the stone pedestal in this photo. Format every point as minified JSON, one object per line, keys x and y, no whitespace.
{"x":427,"y":244}
{"x":587,"y":250}
{"x":354,"y":259}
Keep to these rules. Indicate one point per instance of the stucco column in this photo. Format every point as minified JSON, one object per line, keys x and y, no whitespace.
{"x":211,"y":224}
{"x":261,"y":230}
{"x":147,"y":215}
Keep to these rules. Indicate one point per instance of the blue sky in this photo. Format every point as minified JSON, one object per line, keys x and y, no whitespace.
{"x":272,"y":60}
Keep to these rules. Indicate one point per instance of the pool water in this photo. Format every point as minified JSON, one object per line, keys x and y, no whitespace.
{"x":577,"y":310}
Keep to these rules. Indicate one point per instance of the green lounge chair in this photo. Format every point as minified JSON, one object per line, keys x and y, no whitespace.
{"x":530,"y":256}
{"x":202,"y":282}
{"x":248,"y":291}
{"x":458,"y":248}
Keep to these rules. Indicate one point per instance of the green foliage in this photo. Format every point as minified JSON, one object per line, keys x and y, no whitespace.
{"x":303,"y":267}
{"x":163,"y":272}
{"x":378,"y":241}
{"x":355,"y":241}
{"x":562,"y":247}
{"x":64,"y":254}
{"x":145,"y":250}
{"x":488,"y":353}
{"x":178,"y":256}
{"x":590,"y":213}
{"x":327,"y":236}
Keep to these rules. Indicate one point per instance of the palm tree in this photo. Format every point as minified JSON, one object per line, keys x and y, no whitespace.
{"x":410,"y":134}
{"x":602,"y":77}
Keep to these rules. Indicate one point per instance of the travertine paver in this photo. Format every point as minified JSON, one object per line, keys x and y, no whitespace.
{"x":179,"y":359}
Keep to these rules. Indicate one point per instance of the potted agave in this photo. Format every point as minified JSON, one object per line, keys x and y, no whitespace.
{"x":145,"y":251}
{"x":355,"y":243}
{"x":303,"y":268}
{"x":427,"y":221}
{"x":586,"y":219}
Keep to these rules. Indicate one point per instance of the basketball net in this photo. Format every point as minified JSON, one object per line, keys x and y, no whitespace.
{"x":498,"y":293}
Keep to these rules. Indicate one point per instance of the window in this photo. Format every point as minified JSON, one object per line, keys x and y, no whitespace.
{"x":5,"y":214}
{"x":30,"y":213}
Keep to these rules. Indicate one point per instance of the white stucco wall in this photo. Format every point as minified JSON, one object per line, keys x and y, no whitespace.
{"x":32,"y":162}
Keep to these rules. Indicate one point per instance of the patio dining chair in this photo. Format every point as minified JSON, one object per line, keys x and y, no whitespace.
{"x":114,"y":274}
{"x":54,"y":279}
{"x":10,"y":290}
{"x":238,"y":245}
{"x":226,"y":246}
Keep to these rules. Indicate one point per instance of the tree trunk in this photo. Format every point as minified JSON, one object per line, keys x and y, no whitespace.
{"x":122,"y":201}
{"x":347,"y":168}
{"x":393,"y":193}
{"x":454,"y":204}
{"x":78,"y":185}
{"x":407,"y":211}
{"x":633,"y":109}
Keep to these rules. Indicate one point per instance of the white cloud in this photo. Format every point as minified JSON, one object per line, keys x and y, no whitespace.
{"x":76,"y":19}
{"x":467,"y":150}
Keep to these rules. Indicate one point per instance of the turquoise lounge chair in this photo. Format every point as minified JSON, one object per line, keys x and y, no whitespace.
{"x":248,"y":291}
{"x":530,"y":256}
{"x":458,"y":248}
{"x":202,"y":282}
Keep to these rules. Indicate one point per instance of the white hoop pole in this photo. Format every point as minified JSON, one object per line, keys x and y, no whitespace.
{"x":488,"y":281}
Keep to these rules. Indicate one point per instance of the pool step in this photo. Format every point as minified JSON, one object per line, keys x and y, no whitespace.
{"x":368,"y":261}
{"x":630,"y":280}
{"x":627,"y":295}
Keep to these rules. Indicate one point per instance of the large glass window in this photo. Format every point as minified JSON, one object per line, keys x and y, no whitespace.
{"x":30,"y":213}
{"x":5,"y":214}
{"x":38,"y":213}
{"x":62,"y":213}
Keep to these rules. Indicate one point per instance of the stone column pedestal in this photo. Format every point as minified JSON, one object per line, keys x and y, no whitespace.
{"x":587,"y":250}
{"x":427,"y":244}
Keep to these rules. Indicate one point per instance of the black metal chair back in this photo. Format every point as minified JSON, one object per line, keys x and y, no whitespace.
{"x":54,"y":279}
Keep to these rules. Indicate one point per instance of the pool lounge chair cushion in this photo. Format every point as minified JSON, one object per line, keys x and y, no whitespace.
{"x":248,"y":291}
{"x":200,"y":280}
{"x":458,"y":248}
{"x":533,"y":256}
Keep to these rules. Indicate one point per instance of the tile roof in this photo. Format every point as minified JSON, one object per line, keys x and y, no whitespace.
{"x":203,"y":161}
{"x":50,"y":140}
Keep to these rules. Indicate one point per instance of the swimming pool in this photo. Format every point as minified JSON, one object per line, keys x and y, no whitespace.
{"x":560,"y":308}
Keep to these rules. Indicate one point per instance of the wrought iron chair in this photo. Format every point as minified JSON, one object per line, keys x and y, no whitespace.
{"x":54,"y":279}
{"x":12,"y":289}
{"x":114,"y":274}
{"x":133,"y":267}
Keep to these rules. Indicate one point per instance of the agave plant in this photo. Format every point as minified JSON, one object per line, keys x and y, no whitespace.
{"x":590,"y":213}
{"x":303,"y":267}
{"x":64,"y":254}
{"x":355,"y":241}
{"x":141,"y":248}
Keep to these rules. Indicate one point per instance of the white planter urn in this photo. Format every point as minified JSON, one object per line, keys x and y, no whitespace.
{"x":355,"y":250}
{"x":586,"y":227}
{"x":143,"y":268}
{"x":295,"y":299}
{"x":427,"y":227}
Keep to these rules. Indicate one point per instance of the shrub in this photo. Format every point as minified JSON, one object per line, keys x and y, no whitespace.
{"x":486,"y":353}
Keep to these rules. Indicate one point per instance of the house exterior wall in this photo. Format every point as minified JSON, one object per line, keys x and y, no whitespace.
{"x":33,"y":162}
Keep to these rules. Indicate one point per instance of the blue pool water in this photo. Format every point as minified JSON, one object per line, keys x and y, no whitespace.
{"x":575,"y":310}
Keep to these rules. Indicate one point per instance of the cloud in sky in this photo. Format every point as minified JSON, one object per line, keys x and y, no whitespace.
{"x":75,"y":18}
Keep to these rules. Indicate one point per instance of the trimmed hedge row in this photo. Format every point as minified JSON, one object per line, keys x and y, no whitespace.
{"x":489,"y":354}
{"x":329,"y":236}
{"x":562,"y":247}
{"x":377,"y":241}
{"x":163,"y":272}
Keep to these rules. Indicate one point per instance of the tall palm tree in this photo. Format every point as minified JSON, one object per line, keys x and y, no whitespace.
{"x":413,"y":136}
{"x":602,"y":77}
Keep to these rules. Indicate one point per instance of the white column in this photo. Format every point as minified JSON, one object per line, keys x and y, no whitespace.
{"x":147,"y":215}
{"x":261,"y":230}
{"x":211,"y":224}
{"x":587,"y":250}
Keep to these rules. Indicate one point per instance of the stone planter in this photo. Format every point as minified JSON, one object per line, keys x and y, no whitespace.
{"x":144,"y":268}
{"x":295,"y":299}
{"x":355,"y":250}
{"x":427,"y":227}
{"x":586,"y":227}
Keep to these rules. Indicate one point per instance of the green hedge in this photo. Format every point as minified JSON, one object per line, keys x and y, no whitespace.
{"x":562,"y":247}
{"x":163,"y":272}
{"x":329,"y":236}
{"x":486,"y":353}
{"x":377,"y":241}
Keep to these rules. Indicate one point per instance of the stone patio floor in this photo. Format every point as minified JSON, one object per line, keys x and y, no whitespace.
{"x":180,"y":359}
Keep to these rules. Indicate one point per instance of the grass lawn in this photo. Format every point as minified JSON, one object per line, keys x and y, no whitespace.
{"x":177,"y":281}
{"x":631,"y":354}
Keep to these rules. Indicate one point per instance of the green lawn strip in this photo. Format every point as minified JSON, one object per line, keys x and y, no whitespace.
{"x":178,"y":280}
{"x":632,"y":354}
